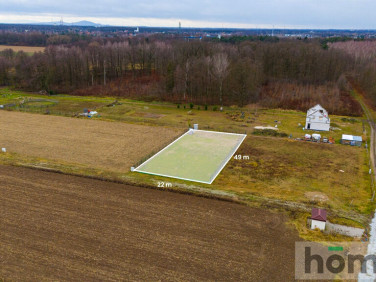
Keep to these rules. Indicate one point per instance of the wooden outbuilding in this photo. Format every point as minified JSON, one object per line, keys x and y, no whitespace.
{"x":318,"y":218}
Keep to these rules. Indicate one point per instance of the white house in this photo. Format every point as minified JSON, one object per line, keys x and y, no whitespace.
{"x":317,"y":119}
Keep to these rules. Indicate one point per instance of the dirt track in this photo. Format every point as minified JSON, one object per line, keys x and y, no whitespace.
{"x":99,"y":144}
{"x":57,"y":227}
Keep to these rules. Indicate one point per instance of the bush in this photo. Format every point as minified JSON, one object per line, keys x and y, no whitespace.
{"x":178,"y":106}
{"x":198,"y":108}
{"x":206,"y":107}
{"x":351,"y":120}
{"x":269,"y":132}
{"x":191,"y":106}
{"x":215,"y":108}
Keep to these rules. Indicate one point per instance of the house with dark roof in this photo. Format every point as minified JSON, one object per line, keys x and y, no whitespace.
{"x":318,"y":218}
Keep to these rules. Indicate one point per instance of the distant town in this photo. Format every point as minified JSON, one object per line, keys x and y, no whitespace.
{"x":95,"y":29}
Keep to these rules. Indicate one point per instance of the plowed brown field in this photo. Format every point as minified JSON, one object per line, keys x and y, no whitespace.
{"x":105,"y":145}
{"x":58,"y":227}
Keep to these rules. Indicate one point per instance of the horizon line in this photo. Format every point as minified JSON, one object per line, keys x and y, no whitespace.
{"x":99,"y":25}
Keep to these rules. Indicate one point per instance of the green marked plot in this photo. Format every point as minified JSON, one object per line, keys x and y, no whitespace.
{"x":199,"y":156}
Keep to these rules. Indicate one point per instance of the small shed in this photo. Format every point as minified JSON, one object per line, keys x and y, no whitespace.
{"x":351,"y":140}
{"x":318,"y":218}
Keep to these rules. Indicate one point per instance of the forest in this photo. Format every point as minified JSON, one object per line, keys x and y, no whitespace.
{"x":285,"y":73}
{"x":364,"y":68}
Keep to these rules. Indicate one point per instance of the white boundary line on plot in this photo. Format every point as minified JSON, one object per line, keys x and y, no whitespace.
{"x":219,"y":132}
{"x":229,"y":158}
{"x":176,"y":177}
{"x":193,"y":180}
{"x":136,"y":169}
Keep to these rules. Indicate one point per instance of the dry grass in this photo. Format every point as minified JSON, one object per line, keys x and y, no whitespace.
{"x":167,"y":114}
{"x":278,"y":170}
{"x":26,"y":49}
{"x":287,"y":169}
{"x":100,"y":144}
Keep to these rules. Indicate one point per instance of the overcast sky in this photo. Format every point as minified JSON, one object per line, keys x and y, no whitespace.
{"x":350,"y":14}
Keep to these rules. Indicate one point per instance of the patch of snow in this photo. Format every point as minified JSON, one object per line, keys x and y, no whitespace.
{"x":265,"y":127}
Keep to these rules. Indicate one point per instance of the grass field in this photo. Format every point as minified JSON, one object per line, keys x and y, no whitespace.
{"x":232,"y":119}
{"x":26,"y":49}
{"x":99,"y":144}
{"x":278,"y":169}
{"x":331,"y":176}
{"x":196,"y":156}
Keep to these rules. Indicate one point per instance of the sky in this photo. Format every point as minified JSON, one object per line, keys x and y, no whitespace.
{"x":324,"y":14}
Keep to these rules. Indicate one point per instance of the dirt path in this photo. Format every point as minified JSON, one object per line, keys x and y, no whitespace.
{"x":371,"y":121}
{"x":58,"y":227}
{"x":370,"y":275}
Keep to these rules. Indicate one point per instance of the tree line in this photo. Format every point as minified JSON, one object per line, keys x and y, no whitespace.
{"x":198,"y":71}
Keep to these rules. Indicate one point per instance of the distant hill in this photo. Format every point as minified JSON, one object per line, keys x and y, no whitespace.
{"x":80,"y":23}
{"x":86,"y":23}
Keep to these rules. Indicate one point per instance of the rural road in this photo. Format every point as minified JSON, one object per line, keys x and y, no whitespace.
{"x":372,"y":124}
{"x":58,"y":227}
{"x":370,"y":275}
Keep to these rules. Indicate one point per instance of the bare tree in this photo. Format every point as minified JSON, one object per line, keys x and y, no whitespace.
{"x":220,"y":71}
{"x":186,"y":78}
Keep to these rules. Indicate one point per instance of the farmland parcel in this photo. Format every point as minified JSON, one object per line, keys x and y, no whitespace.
{"x":104,"y":145}
{"x":56,"y":227}
{"x":26,"y":49}
{"x":196,"y":156}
